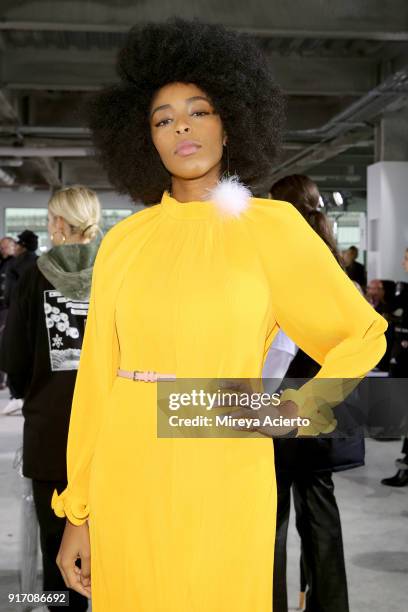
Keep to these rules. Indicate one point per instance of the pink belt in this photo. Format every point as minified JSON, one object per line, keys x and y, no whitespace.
{"x":145,"y":375}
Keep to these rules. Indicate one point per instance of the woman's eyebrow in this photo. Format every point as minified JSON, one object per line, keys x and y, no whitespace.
{"x":158,"y":108}
{"x":192,"y":99}
{"x":198,"y":98}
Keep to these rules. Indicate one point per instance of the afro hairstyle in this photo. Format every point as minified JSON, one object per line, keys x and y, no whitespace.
{"x":226,"y":65}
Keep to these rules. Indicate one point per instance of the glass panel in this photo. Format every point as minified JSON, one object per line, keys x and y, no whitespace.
{"x":111,"y":216}
{"x":347,"y":229}
{"x":35,"y":219}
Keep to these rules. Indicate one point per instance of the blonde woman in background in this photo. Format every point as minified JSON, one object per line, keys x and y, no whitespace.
{"x":40,"y":352}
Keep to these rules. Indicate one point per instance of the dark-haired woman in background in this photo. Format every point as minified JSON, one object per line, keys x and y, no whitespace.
{"x":191,"y":287}
{"x":306,"y":465}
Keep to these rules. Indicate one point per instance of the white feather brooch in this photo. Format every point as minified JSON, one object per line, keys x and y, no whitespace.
{"x":230,"y":196}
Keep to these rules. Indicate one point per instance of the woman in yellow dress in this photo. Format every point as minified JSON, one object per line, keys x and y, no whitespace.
{"x":196,"y":285}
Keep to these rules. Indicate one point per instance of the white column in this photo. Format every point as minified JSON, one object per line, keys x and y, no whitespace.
{"x":387,"y":219}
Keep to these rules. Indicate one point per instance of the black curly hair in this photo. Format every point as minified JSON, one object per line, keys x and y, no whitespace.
{"x":226,"y":65}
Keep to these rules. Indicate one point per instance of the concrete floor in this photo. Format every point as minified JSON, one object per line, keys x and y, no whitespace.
{"x":375,"y":526}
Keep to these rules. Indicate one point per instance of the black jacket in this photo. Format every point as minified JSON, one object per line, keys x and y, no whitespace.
{"x":400,"y":302}
{"x":5,"y":265}
{"x":18,"y":266}
{"x":40,"y":352}
{"x":398,"y":342}
{"x":356,"y":271}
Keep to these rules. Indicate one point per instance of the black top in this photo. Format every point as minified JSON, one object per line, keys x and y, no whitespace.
{"x":5,"y":264}
{"x":398,"y":333}
{"x":315,"y":454}
{"x":18,"y":266}
{"x":401,"y":302}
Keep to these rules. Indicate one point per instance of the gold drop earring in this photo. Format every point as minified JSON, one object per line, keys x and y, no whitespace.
{"x":58,"y":232}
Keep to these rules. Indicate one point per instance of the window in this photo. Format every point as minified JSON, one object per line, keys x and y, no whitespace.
{"x":112,"y":216}
{"x":35,"y":219}
{"x":349,"y":229}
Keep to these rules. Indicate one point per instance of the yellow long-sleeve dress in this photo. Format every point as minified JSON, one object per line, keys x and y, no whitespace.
{"x":188,"y":525}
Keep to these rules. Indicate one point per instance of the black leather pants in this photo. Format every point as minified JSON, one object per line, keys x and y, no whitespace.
{"x":51,"y":532}
{"x":319,"y":527}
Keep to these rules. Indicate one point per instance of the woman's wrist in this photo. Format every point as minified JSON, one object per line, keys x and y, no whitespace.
{"x":289,"y":409}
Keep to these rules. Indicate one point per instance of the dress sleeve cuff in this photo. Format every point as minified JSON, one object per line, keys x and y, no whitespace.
{"x":316,"y":409}
{"x":64,"y":505}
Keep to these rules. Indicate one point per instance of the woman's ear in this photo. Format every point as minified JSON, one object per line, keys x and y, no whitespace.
{"x":59,"y":223}
{"x":225,"y":140}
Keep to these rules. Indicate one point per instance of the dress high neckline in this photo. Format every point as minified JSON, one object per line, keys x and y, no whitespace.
{"x":200,"y":209}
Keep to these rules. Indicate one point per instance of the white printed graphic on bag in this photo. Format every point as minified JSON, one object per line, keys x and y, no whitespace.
{"x":65,"y":321}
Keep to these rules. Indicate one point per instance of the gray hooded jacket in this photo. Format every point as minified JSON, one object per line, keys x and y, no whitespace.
{"x":68,"y":267}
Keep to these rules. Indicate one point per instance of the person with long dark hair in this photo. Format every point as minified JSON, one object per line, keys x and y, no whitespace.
{"x":306,"y":466}
{"x":194,"y":286}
